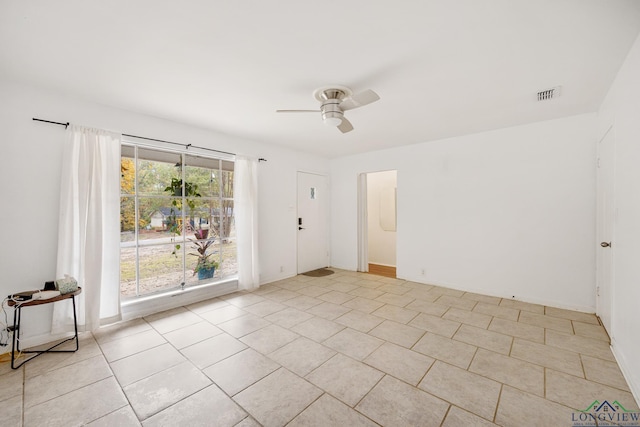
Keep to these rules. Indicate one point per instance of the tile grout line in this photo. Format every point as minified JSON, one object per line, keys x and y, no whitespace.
{"x":426,"y":373}
{"x":451,"y":403}
{"x":119,"y":385}
{"x":495,"y":412}
{"x":475,"y":353}
{"x":163,"y":370}
{"x":97,"y":381}
{"x":24,"y":386}
{"x":115,"y":378}
{"x":584,"y":371}
{"x":446,"y":414}
{"x":513,"y":341}
{"x":384,"y":374}
{"x":335,"y":397}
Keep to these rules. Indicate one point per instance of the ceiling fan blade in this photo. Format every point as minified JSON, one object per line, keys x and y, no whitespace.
{"x":359,"y":99}
{"x":297,"y":111}
{"x":345,"y":126}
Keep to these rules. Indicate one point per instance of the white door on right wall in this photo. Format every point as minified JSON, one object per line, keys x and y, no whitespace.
{"x":605,"y":229}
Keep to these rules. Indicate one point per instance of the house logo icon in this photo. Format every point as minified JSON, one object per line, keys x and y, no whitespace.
{"x":606,"y":413}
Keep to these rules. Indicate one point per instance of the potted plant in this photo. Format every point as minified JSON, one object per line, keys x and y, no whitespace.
{"x":175,"y":189}
{"x":206,"y":266}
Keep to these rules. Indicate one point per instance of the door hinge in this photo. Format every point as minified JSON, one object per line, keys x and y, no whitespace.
{"x":597,"y":291}
{"x":598,"y":163}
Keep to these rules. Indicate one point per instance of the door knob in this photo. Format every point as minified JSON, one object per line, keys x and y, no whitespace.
{"x":605,"y":244}
{"x":300,"y":228}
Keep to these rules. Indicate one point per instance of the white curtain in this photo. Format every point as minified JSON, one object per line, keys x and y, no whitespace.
{"x":245,"y":190}
{"x":88,"y":231}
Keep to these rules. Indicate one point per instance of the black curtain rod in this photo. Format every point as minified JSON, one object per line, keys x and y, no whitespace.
{"x":152,"y":139}
{"x":55,"y":123}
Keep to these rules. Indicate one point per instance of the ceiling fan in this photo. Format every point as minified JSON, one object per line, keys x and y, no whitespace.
{"x":334,"y":100}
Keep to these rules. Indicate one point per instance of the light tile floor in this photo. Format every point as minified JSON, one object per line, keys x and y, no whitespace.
{"x":346,"y":349}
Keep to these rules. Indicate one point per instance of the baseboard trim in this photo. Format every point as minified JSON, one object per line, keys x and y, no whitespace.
{"x":622,"y":363}
{"x":539,"y":301}
{"x":271,"y":279}
{"x":37,"y":340}
{"x":382,"y":270}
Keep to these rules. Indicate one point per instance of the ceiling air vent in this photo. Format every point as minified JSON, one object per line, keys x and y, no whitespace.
{"x":546,"y":94}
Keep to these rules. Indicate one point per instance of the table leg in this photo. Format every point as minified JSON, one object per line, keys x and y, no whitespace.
{"x":16,"y":338}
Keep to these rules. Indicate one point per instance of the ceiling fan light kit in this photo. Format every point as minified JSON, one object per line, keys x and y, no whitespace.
{"x":334,"y":100}
{"x":332,"y":115}
{"x":332,"y":121}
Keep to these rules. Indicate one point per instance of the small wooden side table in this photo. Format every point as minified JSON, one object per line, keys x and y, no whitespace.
{"x":17,"y":314}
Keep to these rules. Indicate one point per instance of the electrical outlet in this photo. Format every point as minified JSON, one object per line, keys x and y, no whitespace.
{"x":282,"y":269}
{"x":422,"y":272}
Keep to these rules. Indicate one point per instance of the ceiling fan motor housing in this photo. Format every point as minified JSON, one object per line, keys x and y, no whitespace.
{"x":332,"y":93}
{"x":331,"y":112}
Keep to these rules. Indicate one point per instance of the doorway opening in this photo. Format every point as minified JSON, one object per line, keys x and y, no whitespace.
{"x":377,"y":206}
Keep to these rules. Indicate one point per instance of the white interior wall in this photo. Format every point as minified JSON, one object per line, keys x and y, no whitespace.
{"x":509,"y":212}
{"x":381,"y":243}
{"x":32,"y":154}
{"x":620,"y":110}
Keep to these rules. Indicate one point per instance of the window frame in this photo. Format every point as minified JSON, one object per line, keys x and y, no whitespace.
{"x":226,"y":162}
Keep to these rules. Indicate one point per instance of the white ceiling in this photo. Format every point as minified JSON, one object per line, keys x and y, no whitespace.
{"x":441,"y":67}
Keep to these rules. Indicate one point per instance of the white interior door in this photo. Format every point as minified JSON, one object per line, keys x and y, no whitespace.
{"x":604,"y":232}
{"x":363,"y":225}
{"x":313,"y":202}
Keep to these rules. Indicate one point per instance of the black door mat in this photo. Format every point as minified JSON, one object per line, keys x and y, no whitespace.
{"x":321,"y":272}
